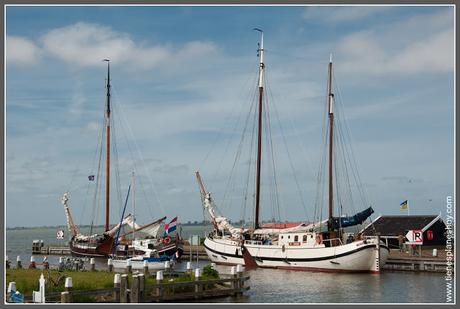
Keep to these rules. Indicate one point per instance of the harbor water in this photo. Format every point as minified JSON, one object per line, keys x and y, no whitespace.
{"x":281,"y":286}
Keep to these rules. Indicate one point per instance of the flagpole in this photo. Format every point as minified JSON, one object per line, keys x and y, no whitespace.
{"x":408,"y":208}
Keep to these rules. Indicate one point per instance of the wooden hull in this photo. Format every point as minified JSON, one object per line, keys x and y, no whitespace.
{"x":103,"y":248}
{"x":97,"y":248}
{"x":358,"y":256}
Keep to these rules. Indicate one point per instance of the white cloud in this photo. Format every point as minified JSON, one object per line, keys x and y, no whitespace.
{"x":21,"y":51}
{"x":401,"y":48}
{"x":87,"y":44}
{"x":339,"y":14}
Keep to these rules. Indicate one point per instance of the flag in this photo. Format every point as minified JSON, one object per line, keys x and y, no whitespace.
{"x":171,"y":226}
{"x":404,"y":205}
{"x":91,"y":177}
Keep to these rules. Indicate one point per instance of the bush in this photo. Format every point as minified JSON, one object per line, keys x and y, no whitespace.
{"x":210,"y":273}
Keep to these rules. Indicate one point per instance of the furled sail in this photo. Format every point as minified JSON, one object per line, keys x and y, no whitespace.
{"x":150,"y":229}
{"x":303,"y":227}
{"x":126,"y":221}
{"x":360,"y":217}
{"x":221,"y":223}
{"x":73,"y":229}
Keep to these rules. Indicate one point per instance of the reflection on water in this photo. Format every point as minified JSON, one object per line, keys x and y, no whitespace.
{"x":285,"y":286}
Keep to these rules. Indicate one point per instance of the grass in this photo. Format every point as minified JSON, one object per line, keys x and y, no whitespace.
{"x":27,"y":280}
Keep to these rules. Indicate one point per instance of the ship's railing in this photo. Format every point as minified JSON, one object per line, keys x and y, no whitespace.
{"x":333,"y":241}
{"x":253,"y":242}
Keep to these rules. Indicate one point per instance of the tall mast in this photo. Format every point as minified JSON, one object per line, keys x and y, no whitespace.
{"x":134,"y":205}
{"x":107,"y":173}
{"x":259,"y":130}
{"x":331,"y":127}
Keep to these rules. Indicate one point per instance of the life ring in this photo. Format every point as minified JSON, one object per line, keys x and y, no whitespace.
{"x":166,"y":240}
{"x":318,"y":239}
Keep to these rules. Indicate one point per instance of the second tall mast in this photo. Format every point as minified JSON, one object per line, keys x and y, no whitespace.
{"x":259,"y":137}
{"x":107,"y":173}
{"x":331,"y":139}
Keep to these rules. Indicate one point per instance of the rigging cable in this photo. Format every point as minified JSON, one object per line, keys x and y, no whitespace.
{"x":130,"y":136}
{"x":299,"y":190}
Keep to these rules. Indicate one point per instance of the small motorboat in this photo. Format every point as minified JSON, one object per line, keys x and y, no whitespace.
{"x":151,"y":259}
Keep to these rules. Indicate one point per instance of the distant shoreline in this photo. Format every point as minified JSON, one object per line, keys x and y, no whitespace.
{"x":84,"y":226}
{"x":188,"y":223}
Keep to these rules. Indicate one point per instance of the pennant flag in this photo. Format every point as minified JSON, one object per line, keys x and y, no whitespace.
{"x":171,"y":226}
{"x":404,"y":205}
{"x":91,"y":177}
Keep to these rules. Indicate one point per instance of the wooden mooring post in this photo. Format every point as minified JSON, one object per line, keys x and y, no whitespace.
{"x":235,"y":279}
{"x":66,"y":296}
{"x":110,"y":265}
{"x":198,"y":285}
{"x":135,"y":297}
{"x":124,"y":291}
{"x":141,"y":288}
{"x":239,"y":273}
{"x":159,"y":290}
{"x":116,"y":285}
{"x":18,"y":262}
{"x":92,"y":264}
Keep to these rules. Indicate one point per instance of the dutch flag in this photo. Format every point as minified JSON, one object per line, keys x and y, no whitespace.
{"x":171,"y":226}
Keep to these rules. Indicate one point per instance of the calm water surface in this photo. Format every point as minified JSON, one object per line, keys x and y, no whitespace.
{"x":283,"y":286}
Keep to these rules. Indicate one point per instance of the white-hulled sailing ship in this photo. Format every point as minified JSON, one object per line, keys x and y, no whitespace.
{"x":110,"y":242}
{"x":318,"y":246}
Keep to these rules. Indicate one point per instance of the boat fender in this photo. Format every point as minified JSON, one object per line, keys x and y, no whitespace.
{"x":283,"y":248}
{"x":167,"y":240}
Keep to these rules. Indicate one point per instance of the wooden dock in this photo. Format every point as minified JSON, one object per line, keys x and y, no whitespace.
{"x":405,"y":261}
{"x":416,"y":265}
{"x":194,"y":253}
{"x":38,"y":247}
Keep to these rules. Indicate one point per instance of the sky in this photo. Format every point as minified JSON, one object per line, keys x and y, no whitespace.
{"x":183,"y":79}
